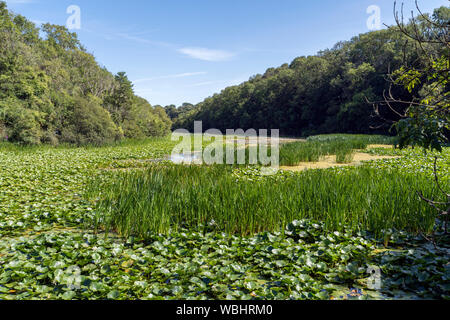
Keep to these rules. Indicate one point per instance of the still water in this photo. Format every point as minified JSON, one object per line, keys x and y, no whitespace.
{"x":185,"y":158}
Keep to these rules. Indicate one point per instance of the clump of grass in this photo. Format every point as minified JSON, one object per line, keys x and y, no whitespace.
{"x":163,"y":199}
{"x":345,"y":155}
{"x":315,"y":148}
{"x":360,"y":139}
{"x":313,"y":151}
{"x":292,"y":154}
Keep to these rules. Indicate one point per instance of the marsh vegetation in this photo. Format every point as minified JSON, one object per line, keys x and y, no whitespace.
{"x":151,"y":230}
{"x":94,"y":206}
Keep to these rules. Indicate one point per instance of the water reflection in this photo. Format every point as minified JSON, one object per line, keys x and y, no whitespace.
{"x":185,"y":158}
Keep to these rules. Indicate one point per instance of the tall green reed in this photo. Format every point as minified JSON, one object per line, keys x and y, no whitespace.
{"x":164,"y":199}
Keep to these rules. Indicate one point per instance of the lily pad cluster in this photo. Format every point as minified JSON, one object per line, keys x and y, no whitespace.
{"x":302,"y":263}
{"x":48,"y":251}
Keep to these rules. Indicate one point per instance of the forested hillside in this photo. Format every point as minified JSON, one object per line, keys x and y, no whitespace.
{"x":53,"y":91}
{"x":330,"y":92}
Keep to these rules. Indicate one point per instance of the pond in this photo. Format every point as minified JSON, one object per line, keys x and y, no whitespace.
{"x":186,"y":158}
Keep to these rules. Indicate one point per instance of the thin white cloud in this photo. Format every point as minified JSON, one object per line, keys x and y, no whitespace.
{"x":226,"y":83}
{"x":204,"y":54}
{"x":207,"y":54}
{"x":172,"y":76}
{"x":144,"y":91}
{"x":143,"y":40}
{"x":206,"y":83}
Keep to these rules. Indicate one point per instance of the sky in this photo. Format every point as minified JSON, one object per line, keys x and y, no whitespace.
{"x":177,"y":51}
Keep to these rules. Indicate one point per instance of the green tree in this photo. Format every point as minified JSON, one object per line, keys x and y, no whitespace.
{"x":86,"y":122}
{"x":120,"y":102}
{"x":425,"y":119}
{"x":47,"y":84}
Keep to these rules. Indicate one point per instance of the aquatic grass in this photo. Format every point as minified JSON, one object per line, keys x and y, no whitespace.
{"x":345,"y":155}
{"x":164,"y":199}
{"x":356,"y":138}
{"x":45,"y":234}
{"x":292,"y":154}
{"x":317,"y":147}
{"x":313,"y":151}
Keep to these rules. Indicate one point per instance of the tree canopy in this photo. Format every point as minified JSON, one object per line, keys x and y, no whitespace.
{"x":53,"y":91}
{"x":332,"y":91}
{"x":425,"y":119}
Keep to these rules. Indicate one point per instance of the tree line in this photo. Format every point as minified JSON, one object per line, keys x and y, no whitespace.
{"x":53,"y":91}
{"x":332,"y":91}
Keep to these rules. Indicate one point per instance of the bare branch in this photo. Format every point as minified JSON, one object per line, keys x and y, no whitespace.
{"x":432,"y":203}
{"x":436,"y":178}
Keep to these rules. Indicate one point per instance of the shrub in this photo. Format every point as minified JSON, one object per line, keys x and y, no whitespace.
{"x":88,"y":123}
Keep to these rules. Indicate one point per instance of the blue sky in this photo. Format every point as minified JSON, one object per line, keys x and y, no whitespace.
{"x":179,"y":51}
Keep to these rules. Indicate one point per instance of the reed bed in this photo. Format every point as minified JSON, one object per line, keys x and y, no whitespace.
{"x":355,"y":138}
{"x":313,"y":151}
{"x":345,"y":155}
{"x":315,"y":148}
{"x":163,"y":199}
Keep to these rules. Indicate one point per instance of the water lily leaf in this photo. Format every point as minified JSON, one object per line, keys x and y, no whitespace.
{"x":114,"y":294}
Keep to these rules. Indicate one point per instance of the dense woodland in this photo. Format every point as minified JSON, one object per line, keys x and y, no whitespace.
{"x":333,"y":91}
{"x":53,"y":91}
